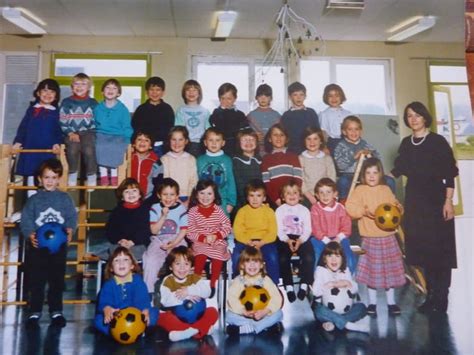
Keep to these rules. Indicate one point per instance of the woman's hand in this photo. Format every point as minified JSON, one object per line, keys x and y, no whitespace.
{"x":448,"y":210}
{"x":109,"y":314}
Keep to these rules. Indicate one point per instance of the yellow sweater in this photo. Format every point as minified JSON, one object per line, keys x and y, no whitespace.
{"x":371,"y":197}
{"x":255,"y":223}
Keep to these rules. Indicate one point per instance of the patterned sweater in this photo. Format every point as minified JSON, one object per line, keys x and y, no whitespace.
{"x":344,"y":154}
{"x":293,"y":220}
{"x":196,"y":287}
{"x":76,"y":114}
{"x":195,"y":118}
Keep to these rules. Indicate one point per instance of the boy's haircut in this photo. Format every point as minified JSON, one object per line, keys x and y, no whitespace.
{"x":349,"y":119}
{"x":265,"y":90}
{"x":246,"y":132}
{"x":213,"y":130}
{"x":296,"y":86}
{"x":368,"y":163}
{"x":137,"y":134}
{"x":330,"y":249}
{"x":202,"y":185}
{"x":183,"y":130}
{"x":420,"y":109}
{"x":267,"y":145}
{"x":181,"y":251}
{"x":109,"y":272}
{"x":290,"y":184}
{"x":49,"y":84}
{"x":191,"y":84}
{"x":325,"y":182}
{"x":113,"y":82}
{"x":155,"y":81}
{"x":81,"y":76}
{"x":255,"y":185}
{"x":168,"y":182}
{"x":311,"y":130}
{"x":52,"y":164}
{"x":333,"y":87}
{"x":251,"y":253}
{"x":128,"y":183}
{"x":225,"y":88}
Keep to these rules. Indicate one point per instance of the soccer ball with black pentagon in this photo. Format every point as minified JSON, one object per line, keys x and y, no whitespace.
{"x":254,"y":298}
{"x":127,"y":325}
{"x":387,"y":217}
{"x":338,"y":300}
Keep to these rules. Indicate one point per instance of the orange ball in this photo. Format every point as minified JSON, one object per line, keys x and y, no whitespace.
{"x":127,"y":325}
{"x":387,"y":217}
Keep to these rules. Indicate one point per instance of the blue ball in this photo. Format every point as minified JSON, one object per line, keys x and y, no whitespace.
{"x":190,"y":312}
{"x":51,"y":236}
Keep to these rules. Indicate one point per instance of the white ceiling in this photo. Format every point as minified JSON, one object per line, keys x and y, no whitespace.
{"x":196,"y":18}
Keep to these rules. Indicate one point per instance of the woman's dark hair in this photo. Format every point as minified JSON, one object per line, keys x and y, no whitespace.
{"x":202,"y":185}
{"x":420,"y":109}
{"x":50,"y":84}
{"x":330,"y":249}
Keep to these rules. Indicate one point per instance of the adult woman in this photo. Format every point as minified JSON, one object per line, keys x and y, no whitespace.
{"x":427,"y":161}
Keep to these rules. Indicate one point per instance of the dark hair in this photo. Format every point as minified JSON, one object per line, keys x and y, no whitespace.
{"x":155,"y":81}
{"x":333,"y":87}
{"x":368,"y":163}
{"x":175,"y":253}
{"x":191,"y":84}
{"x":267,"y":145}
{"x":255,"y":185}
{"x":225,"y":88}
{"x":109,"y":270}
{"x":113,"y":82}
{"x":49,"y":84}
{"x":349,"y":119}
{"x":251,"y":253}
{"x":128,"y":183}
{"x":325,"y":182}
{"x":296,"y":86}
{"x":178,"y":129}
{"x":312,"y":130}
{"x":214,"y":130}
{"x":202,"y":185}
{"x":167,"y":182}
{"x":420,"y":109}
{"x":291,"y":183}
{"x":330,"y":249}
{"x":52,"y":164}
{"x":265,"y":90}
{"x":136,"y":134}
{"x":246,"y":132}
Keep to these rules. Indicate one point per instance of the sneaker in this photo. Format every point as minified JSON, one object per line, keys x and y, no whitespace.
{"x":15,"y":217}
{"x":394,"y":310}
{"x":114,"y":181}
{"x":232,"y":330}
{"x":32,"y":322}
{"x":291,"y":296}
{"x":372,"y":310}
{"x":302,"y":294}
{"x":104,"y":181}
{"x":58,"y":320}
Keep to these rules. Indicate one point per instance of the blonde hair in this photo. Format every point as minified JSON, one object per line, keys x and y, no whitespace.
{"x":251,"y":254}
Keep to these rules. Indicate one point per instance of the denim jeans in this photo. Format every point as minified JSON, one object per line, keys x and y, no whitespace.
{"x":324,"y":314}
{"x":259,"y":325}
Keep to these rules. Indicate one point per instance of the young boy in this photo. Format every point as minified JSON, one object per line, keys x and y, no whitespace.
{"x":226,"y":118}
{"x":330,"y":221}
{"x":146,"y":167}
{"x":215,"y":165}
{"x":255,"y":225}
{"x":155,"y":116}
{"x":298,"y":117}
{"x":76,"y":117}
{"x":48,"y":205}
{"x":263,"y":117}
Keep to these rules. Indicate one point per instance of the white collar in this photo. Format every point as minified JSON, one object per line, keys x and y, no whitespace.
{"x":216,"y":154}
{"x":48,"y":107}
{"x":292,"y":108}
{"x":249,"y":161}
{"x":307,"y":155}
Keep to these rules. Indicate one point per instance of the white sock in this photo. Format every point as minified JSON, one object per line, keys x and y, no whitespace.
{"x":72,"y":179}
{"x":103,"y":171}
{"x":289,"y":288}
{"x":246,"y":329}
{"x":372,"y":295}
{"x":362,"y":325}
{"x":177,"y":335}
{"x":113,"y":172}
{"x":304,"y":287}
{"x":390,"y":295}
{"x":30,"y":180}
{"x":91,"y":180}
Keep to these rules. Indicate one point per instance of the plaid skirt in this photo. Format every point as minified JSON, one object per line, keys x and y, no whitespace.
{"x":382,"y":264}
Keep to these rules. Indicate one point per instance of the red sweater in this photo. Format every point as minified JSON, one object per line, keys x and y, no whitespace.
{"x":330,"y":221}
{"x":141,"y":169}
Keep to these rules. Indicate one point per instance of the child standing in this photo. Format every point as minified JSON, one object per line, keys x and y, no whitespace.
{"x":113,"y":132}
{"x":193,"y":116}
{"x":48,"y":205}
{"x":208,"y":228}
{"x":180,"y":285}
{"x":332,"y":273}
{"x":382,"y":265}
{"x":294,"y":231}
{"x":39,"y":129}
{"x":169,"y":224}
{"x":298,"y":117}
{"x":179,"y":164}
{"x":226,"y":118}
{"x":252,"y":273}
{"x":124,"y":288}
{"x":76,"y":117}
{"x":155,"y":116}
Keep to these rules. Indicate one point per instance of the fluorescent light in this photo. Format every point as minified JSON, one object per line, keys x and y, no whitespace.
{"x":417,"y":25}
{"x":345,"y":4}
{"x":225,"y":23}
{"x":16,"y":17}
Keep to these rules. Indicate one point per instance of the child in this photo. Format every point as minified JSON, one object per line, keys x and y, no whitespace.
{"x":294,"y":231}
{"x":182,"y":284}
{"x":298,"y":117}
{"x":124,"y":288}
{"x":215,"y":165}
{"x":193,"y":116}
{"x":76,"y":117}
{"x":263,"y":117}
{"x":280,"y":166}
{"x":48,"y":205}
{"x":255,"y":225}
{"x":330,"y":221}
{"x":208,"y":228}
{"x":155,"y":116}
{"x":178,"y":164}
{"x":226,"y":118}
{"x":332,"y":273}
{"x":246,"y":162}
{"x":146,"y":167}
{"x":315,"y":163}
{"x":348,"y":152}
{"x":39,"y":129}
{"x":169,"y":224}
{"x":113,"y":133}
{"x":252,"y":272}
{"x":382,"y":265}
{"x":331,"y":118}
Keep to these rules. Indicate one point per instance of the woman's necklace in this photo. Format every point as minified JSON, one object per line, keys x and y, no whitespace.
{"x":421,"y":141}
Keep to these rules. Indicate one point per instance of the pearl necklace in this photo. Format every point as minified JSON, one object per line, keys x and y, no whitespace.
{"x":420,"y":142}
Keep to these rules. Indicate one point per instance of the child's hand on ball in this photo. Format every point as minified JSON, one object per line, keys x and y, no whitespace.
{"x":109,"y":314}
{"x":146,"y":316}
{"x":400,"y":207}
{"x":182,"y":293}
{"x":257,"y":315}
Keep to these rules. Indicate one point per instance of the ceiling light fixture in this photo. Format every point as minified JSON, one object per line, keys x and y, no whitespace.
{"x":16,"y":16}
{"x":410,"y":28}
{"x":225,"y":23}
{"x":345,"y":4}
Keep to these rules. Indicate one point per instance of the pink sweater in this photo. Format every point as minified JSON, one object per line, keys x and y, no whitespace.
{"x":330,"y":221}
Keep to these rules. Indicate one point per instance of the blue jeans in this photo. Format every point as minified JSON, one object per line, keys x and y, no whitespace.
{"x":105,"y":328}
{"x":344,"y":183}
{"x":324,"y":314}
{"x":258,"y":325}
{"x":319,"y":246}
{"x":270,"y":256}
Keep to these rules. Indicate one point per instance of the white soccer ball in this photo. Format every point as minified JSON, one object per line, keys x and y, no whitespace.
{"x":339,"y":300}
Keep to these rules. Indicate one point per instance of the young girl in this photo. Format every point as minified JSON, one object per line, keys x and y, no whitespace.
{"x":124,"y":288}
{"x":178,"y":164}
{"x":208,"y":228}
{"x":315,"y":163}
{"x":182,"y":284}
{"x":193,"y":116}
{"x":294,"y":231}
{"x":39,"y":129}
{"x":113,"y":132}
{"x":280,"y":166}
{"x":246,"y":163}
{"x":333,"y":273}
{"x":382,"y":265}
{"x":252,"y":273}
